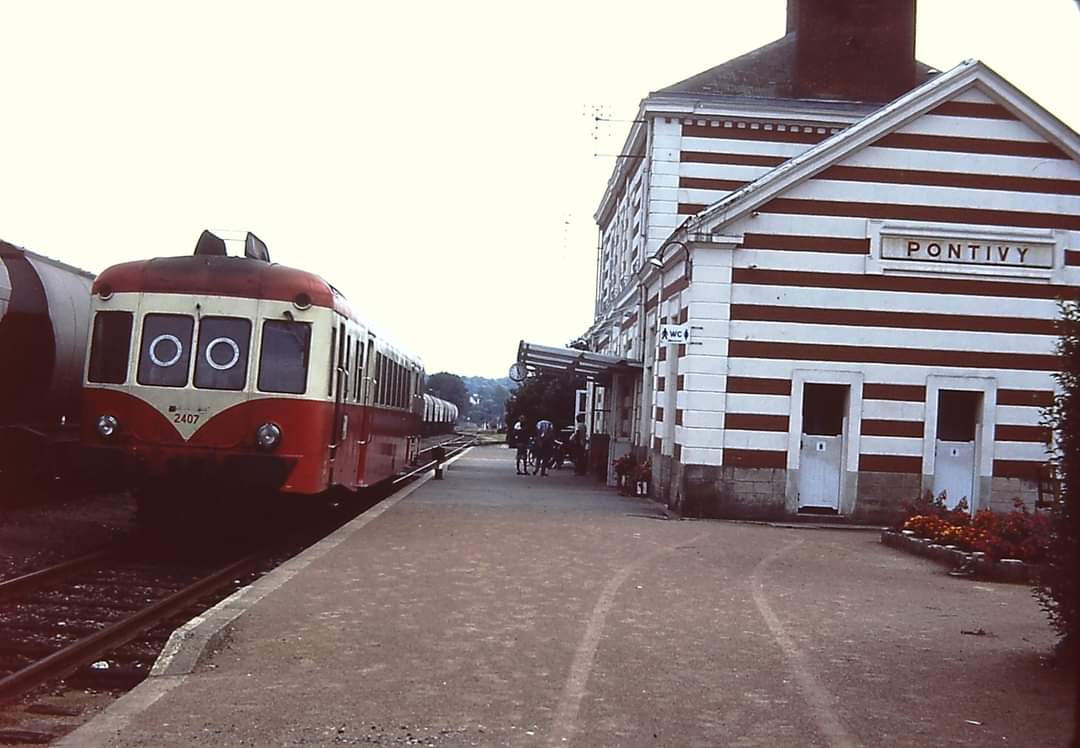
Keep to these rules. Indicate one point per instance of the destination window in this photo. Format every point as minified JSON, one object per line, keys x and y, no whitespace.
{"x":224,"y":343}
{"x":165,"y":355}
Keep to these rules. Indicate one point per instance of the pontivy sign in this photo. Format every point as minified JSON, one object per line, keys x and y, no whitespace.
{"x":968,"y":251}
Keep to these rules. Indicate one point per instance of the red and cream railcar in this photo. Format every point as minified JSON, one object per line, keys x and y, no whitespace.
{"x":439,"y":416}
{"x":235,"y":372}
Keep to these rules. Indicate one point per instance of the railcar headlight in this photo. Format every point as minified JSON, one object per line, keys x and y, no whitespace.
{"x":107,"y":426}
{"x":267,"y":436}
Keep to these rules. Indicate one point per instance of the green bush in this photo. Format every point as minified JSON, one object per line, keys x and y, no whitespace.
{"x":1057,"y":591}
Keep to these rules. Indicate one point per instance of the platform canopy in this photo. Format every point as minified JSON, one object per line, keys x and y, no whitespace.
{"x":596,"y":367}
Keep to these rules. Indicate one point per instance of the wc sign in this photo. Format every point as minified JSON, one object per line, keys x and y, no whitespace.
{"x":674,"y":334}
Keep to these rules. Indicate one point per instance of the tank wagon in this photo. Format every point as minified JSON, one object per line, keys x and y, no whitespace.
{"x":44,"y":319}
{"x":222,"y":372}
{"x":439,"y":415}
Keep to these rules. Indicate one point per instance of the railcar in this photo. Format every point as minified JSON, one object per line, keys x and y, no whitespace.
{"x":44,"y":318}
{"x":221,"y":372}
{"x":439,"y":415}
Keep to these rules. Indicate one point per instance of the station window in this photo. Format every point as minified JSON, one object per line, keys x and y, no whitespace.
{"x":224,"y":343}
{"x":166,"y":350}
{"x":824,"y":408}
{"x":958,"y":415}
{"x":283,"y":361}
{"x":110,"y":347}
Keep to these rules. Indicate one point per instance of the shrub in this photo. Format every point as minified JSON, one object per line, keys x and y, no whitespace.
{"x":1057,"y":590}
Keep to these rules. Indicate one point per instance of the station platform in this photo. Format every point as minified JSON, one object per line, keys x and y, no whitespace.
{"x":491,"y":609}
{"x":428,"y":620}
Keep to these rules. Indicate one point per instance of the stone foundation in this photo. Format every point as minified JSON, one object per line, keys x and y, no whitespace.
{"x":728,"y":492}
{"x":881,"y":497}
{"x":1004,"y":490}
{"x":733,"y":492}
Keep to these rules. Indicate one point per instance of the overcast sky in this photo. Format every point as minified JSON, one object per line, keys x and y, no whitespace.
{"x":439,"y":162}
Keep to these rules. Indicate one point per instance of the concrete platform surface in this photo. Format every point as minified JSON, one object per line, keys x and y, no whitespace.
{"x":490,"y":609}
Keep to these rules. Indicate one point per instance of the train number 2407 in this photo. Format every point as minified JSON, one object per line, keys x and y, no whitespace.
{"x":191,"y":418}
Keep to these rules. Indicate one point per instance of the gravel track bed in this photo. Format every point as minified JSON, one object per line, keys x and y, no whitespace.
{"x":37,"y":535}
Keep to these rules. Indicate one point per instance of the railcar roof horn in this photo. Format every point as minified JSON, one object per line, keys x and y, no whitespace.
{"x":255,"y":248}
{"x":209,"y":244}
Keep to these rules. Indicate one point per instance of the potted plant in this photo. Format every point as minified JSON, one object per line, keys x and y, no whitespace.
{"x":624,"y":468}
{"x":644,"y":477}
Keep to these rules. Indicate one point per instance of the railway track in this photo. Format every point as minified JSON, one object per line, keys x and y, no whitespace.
{"x":435,"y":454}
{"x":96,"y":621}
{"x":59,"y":620}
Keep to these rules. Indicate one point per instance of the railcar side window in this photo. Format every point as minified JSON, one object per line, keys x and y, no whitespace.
{"x":223,"y":353}
{"x":380,"y":367}
{"x":283,"y":362}
{"x":358,"y":371}
{"x":166,"y":350}
{"x":110,"y":347}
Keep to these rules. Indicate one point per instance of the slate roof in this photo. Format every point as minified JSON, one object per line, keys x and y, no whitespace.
{"x":914,"y":103}
{"x":767,"y":72}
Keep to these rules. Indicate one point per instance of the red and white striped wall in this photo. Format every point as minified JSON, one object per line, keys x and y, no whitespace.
{"x":923,"y":249}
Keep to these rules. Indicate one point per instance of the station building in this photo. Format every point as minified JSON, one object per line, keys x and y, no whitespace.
{"x":828,"y":279}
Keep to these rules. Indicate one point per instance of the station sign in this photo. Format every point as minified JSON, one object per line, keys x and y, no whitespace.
{"x":674,"y":334}
{"x":968,"y":251}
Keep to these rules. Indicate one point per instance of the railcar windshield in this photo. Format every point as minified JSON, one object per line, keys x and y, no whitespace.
{"x":110,"y":347}
{"x":222,"y":359}
{"x":166,"y":350}
{"x":283,"y":360}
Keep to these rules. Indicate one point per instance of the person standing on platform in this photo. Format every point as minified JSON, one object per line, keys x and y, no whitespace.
{"x":545,"y":442}
{"x":519,"y":439}
{"x":577,"y":450}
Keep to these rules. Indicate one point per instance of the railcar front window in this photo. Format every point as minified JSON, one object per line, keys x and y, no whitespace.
{"x":283,"y":362}
{"x":165,"y":354}
{"x":110,"y":347}
{"x":222,"y":360}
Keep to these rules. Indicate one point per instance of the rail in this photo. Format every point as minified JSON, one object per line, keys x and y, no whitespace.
{"x":20,"y":584}
{"x":462,"y":443}
{"x":88,"y":648}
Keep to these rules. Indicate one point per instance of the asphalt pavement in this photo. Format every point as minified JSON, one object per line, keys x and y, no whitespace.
{"x":490,"y":609}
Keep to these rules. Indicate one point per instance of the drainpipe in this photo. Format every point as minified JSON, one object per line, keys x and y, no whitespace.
{"x":646,"y":178}
{"x":599,"y":253}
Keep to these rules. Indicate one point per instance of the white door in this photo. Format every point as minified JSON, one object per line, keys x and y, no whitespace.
{"x":820,"y":462}
{"x":954,"y":471}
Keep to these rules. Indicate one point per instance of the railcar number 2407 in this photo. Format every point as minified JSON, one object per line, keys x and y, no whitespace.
{"x":191,"y":418}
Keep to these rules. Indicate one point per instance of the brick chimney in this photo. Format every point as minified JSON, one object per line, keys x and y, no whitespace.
{"x":856,"y":50}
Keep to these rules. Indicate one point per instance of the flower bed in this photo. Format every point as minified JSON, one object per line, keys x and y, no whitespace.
{"x":1009,"y":547}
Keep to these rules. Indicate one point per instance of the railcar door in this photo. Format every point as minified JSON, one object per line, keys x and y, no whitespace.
{"x":367,"y":399}
{"x":340,"y":376}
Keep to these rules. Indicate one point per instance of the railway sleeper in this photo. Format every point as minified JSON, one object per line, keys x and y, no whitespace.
{"x":16,"y":736}
{"x":21,"y":631}
{"x":34,"y":650}
{"x":12,"y":663}
{"x":60,"y":605}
